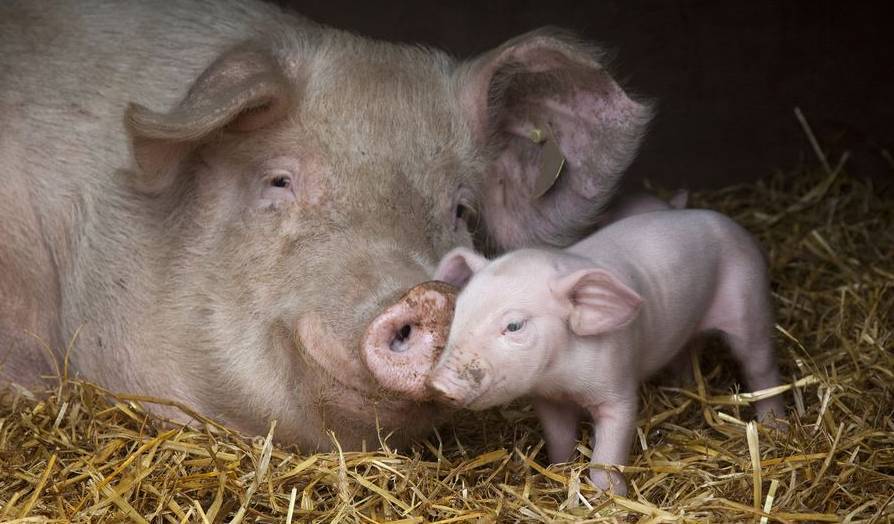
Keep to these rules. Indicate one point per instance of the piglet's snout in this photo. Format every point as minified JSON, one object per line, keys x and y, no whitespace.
{"x":445,"y":389}
{"x":458,"y":383}
{"x":402,"y":344}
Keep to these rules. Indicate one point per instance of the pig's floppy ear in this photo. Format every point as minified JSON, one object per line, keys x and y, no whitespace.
{"x":458,"y":266}
{"x":243,"y":90}
{"x":561,"y":132}
{"x":599,"y":301}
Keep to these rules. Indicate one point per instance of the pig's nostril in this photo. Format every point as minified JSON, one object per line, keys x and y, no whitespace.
{"x":399,"y":343}
{"x":403,"y":342}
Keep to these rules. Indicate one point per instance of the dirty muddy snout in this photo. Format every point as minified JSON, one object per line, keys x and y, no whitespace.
{"x":403,"y":343}
{"x":459,"y":386}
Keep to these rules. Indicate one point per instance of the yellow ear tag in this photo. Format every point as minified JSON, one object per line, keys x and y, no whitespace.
{"x":552,"y":161}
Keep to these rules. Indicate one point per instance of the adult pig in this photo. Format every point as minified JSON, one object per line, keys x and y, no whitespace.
{"x":227,"y":205}
{"x":581,"y":328}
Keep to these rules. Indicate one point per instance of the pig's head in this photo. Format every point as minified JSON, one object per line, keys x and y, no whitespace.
{"x":515,"y":320}
{"x":305,"y":189}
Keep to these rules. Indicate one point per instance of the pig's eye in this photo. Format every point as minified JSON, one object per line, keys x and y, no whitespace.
{"x":512,"y":327}
{"x":466,"y":216}
{"x":463,"y":211}
{"x":281,"y":181}
{"x":278,"y":188}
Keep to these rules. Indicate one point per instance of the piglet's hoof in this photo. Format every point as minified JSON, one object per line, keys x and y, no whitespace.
{"x":402,"y":344}
{"x":611,"y":482}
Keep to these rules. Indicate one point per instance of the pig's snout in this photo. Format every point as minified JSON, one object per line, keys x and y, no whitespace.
{"x":459,"y":385}
{"x":402,"y":344}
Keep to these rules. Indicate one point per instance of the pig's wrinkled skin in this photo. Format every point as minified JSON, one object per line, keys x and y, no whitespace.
{"x":228,"y":205}
{"x":583,"y":327}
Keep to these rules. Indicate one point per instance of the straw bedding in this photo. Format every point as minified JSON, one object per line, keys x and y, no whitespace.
{"x":83,"y":454}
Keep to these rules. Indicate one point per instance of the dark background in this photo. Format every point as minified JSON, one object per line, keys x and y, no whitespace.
{"x":726,"y":75}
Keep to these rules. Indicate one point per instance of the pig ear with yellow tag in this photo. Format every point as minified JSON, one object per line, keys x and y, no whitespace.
{"x":561,"y":132}
{"x":552,"y":162}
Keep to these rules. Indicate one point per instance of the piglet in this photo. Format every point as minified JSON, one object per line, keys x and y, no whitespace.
{"x":580,"y":329}
{"x":639,"y":202}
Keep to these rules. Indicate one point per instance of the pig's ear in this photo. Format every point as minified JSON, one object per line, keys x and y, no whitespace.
{"x":243,"y":90}
{"x":561,"y":132}
{"x":458,"y":266}
{"x":599,"y":301}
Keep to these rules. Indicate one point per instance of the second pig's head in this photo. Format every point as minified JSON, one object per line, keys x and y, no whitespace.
{"x":517,"y":319}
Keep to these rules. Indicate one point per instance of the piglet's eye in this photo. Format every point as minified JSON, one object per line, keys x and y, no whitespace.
{"x":512,"y":327}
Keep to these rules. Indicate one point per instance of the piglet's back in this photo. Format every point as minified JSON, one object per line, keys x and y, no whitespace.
{"x":652,"y":238}
{"x":663,"y":250}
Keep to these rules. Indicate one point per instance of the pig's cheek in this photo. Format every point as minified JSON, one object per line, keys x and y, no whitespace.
{"x":325,"y":350}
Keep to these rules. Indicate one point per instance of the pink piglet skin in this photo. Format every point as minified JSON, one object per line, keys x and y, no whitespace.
{"x":583,"y":327}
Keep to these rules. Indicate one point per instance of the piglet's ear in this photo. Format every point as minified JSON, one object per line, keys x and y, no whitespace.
{"x":243,"y":90}
{"x":561,"y":132}
{"x":599,"y":301}
{"x":458,"y":266}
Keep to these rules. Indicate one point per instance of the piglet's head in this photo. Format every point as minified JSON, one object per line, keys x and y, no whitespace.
{"x":515,"y":321}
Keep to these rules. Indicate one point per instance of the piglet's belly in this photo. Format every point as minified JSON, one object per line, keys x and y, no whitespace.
{"x":672,"y":357}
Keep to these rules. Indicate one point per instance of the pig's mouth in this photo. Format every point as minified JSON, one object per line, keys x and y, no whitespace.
{"x":351,"y":393}
{"x":329,"y":353}
{"x":397,"y":350}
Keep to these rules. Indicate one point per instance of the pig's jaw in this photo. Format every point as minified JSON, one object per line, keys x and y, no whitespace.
{"x":354,"y":403}
{"x":330,"y":354}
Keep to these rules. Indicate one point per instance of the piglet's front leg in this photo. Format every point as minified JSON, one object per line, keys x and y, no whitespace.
{"x":560,"y":422}
{"x":614,"y":423}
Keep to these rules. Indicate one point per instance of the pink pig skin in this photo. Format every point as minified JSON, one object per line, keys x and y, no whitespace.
{"x":640,"y":202}
{"x":583,"y":327}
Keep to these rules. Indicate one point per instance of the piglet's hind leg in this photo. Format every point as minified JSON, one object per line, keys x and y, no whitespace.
{"x":755,"y":355}
{"x":743,"y":315}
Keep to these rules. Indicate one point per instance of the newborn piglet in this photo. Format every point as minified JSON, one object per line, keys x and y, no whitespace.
{"x":639,"y":202}
{"x":583,"y":327}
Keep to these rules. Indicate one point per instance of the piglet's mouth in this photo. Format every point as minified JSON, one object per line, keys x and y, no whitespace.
{"x":459,"y":389}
